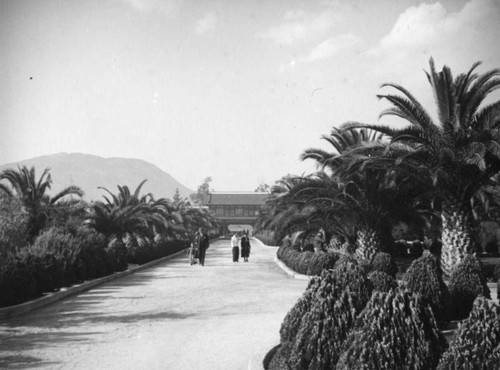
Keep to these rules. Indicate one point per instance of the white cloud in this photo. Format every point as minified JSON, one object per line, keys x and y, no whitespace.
{"x":298,"y":25}
{"x":165,"y":6}
{"x":430,"y":27}
{"x":332,"y":46}
{"x":207,"y":23}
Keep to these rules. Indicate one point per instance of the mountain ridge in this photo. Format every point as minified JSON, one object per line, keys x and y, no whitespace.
{"x":90,"y":172}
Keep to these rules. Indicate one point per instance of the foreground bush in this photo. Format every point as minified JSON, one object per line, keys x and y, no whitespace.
{"x":314,"y":329}
{"x":477,"y":341}
{"x":324,"y":327}
{"x":467,"y":282}
{"x":293,"y":318}
{"x":395,"y":331}
{"x":424,"y":278}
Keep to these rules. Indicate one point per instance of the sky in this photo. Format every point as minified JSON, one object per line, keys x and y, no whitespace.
{"x":231,"y":89}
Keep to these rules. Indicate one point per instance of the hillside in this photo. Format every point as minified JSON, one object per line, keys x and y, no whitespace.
{"x":89,"y":172}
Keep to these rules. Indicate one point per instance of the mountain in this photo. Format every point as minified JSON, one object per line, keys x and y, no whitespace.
{"x":90,"y":172}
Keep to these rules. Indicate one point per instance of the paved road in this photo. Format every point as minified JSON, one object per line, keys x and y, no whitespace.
{"x":224,"y":315}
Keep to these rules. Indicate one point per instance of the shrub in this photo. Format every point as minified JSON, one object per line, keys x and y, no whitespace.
{"x":324,"y":327}
{"x":306,"y":263}
{"x":424,"y":278}
{"x":291,"y":323}
{"x":13,"y":225}
{"x":477,"y":341}
{"x":385,"y":263}
{"x":394,"y":331}
{"x":352,"y":276}
{"x":280,"y":359}
{"x":467,"y":282}
{"x":382,"y":282}
{"x":321,"y":261}
{"x":17,"y":283}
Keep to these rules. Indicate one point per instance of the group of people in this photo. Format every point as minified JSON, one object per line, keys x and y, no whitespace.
{"x":244,"y":244}
{"x":201,"y":242}
{"x":199,"y":247}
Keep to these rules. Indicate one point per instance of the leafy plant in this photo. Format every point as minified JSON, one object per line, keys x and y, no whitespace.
{"x":424,"y":277}
{"x":477,"y":341}
{"x":467,"y":282}
{"x":382,"y":282}
{"x":385,"y":263}
{"x":395,"y":331}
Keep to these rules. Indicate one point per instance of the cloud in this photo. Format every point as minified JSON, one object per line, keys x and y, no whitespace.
{"x":207,"y":23}
{"x":429,"y":26}
{"x":332,"y":46}
{"x":145,"y":6}
{"x":299,"y":25}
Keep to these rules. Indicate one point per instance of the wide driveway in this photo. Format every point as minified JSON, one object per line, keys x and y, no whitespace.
{"x":224,"y":315}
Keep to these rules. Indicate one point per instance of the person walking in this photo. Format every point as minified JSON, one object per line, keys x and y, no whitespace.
{"x":203,"y":246}
{"x":193,"y":253}
{"x":245,"y":247}
{"x":236,"y":249}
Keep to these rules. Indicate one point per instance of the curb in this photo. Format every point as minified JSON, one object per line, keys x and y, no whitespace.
{"x":22,"y":308}
{"x":289,"y":271}
{"x":281,"y":264}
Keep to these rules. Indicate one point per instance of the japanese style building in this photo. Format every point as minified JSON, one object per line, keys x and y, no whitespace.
{"x":236,"y":210}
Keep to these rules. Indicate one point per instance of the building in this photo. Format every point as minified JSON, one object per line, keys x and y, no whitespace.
{"x":236,"y":210}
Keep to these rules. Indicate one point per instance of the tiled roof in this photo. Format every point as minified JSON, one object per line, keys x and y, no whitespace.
{"x":237,"y":198}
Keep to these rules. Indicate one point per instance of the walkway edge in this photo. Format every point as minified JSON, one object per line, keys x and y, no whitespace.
{"x":281,"y":265}
{"x":22,"y":308}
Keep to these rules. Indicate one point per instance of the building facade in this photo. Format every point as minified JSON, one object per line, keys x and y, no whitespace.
{"x":236,"y":211}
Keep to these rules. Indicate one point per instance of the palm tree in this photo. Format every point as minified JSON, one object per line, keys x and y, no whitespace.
{"x":459,"y":153}
{"x":128,"y":220}
{"x":33,"y":193}
{"x":342,"y":141}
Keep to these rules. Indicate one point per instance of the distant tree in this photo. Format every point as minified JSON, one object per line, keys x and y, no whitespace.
{"x":177,"y":197}
{"x":263,"y":188}
{"x":203,"y":192}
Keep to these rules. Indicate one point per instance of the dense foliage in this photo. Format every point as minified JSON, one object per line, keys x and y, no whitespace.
{"x":306,"y":263}
{"x":382,"y":282}
{"x":424,"y":278}
{"x":395,"y":331}
{"x":477,"y":341}
{"x":384,"y":262}
{"x":467,"y":282}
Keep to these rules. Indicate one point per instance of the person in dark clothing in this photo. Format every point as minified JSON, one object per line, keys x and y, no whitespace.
{"x":203,"y":246}
{"x":245,"y":247}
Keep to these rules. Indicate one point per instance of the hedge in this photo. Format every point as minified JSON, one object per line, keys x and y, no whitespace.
{"x":307,"y":263}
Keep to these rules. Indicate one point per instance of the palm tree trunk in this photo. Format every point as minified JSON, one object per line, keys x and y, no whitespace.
{"x":368,"y":245}
{"x":456,"y":235}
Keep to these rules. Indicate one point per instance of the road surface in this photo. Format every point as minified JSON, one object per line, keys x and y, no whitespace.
{"x":224,"y":315}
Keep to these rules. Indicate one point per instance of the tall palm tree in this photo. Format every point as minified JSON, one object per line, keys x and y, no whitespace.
{"x":459,"y":153}
{"x":33,"y":193}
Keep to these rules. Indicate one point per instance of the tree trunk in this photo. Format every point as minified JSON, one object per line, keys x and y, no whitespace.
{"x":456,"y":236}
{"x":368,"y":245}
